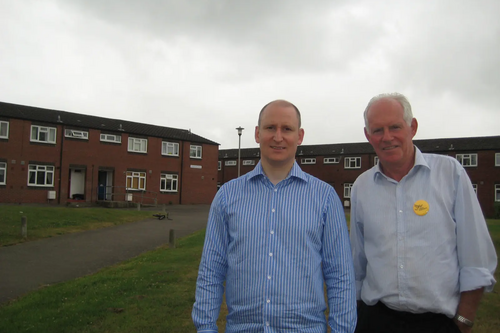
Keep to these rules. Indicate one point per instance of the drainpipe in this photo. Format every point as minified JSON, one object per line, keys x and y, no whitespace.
{"x":60,"y":166}
{"x":180,"y":172}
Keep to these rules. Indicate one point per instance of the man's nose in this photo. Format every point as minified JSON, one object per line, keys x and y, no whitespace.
{"x":277,"y":135}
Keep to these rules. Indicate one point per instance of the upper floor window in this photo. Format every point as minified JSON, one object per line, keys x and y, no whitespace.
{"x":219,"y":165}
{"x":497,"y":192}
{"x":230,"y":163}
{"x":69,"y":133}
{"x":136,"y":180}
{"x":43,"y":134}
{"x":497,"y":159}
{"x":4,"y":129}
{"x":347,"y":190}
{"x":3,"y":173}
{"x":331,"y":160}
{"x":137,"y":145}
{"x":40,"y":175}
{"x":113,"y":138}
{"x":467,"y":160}
{"x":352,"y":162}
{"x":308,"y":161}
{"x":195,"y":151}
{"x":170,"y":148}
{"x":248,"y":162}
{"x":168,"y":182}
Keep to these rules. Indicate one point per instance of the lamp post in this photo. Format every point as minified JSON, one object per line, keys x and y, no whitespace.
{"x":240,"y":130}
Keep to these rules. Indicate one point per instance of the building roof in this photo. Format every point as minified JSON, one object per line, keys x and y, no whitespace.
{"x":428,"y":146}
{"x":58,"y":117}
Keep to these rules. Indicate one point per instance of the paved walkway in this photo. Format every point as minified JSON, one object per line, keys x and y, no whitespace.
{"x":26,"y":267}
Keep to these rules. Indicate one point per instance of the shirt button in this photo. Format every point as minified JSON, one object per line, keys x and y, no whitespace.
{"x":273,"y":210}
{"x":272,"y":232}
{"x":275,"y":190}
{"x":268,"y":301}
{"x":270,"y":254}
{"x":400,"y":211}
{"x":269,"y":277}
{"x":267,"y":323}
{"x":401,"y":266}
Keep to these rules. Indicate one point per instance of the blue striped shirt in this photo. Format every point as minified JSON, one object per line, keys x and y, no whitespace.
{"x":274,"y":246}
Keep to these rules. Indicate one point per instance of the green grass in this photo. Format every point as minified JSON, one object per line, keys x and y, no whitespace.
{"x":52,"y":221}
{"x":153,"y":292}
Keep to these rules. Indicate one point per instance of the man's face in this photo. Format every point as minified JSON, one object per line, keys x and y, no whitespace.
{"x":389,"y":134}
{"x":279,"y":135}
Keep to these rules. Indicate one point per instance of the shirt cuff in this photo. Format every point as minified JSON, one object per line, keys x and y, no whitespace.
{"x":472,"y":278}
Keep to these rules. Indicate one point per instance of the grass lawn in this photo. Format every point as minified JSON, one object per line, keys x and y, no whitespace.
{"x":44,"y":221}
{"x":153,"y":292}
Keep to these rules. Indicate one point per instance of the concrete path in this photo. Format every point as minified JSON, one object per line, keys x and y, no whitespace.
{"x":28,"y":266}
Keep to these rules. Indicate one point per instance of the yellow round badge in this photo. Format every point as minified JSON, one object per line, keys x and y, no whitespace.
{"x":421,"y":207}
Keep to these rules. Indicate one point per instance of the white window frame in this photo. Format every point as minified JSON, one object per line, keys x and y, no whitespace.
{"x":474,"y":187}
{"x":169,"y":148}
{"x":219,"y":165}
{"x":137,"y":145}
{"x":4,"y":129}
{"x":113,"y":138}
{"x":3,"y":173}
{"x":47,"y":170}
{"x":135,"y":176}
{"x":352,"y":162}
{"x":50,"y":134}
{"x":331,"y":160}
{"x":347,"y":190}
{"x":248,"y":162}
{"x":497,"y":192}
{"x":375,"y":160}
{"x":164,"y":181}
{"x":195,"y":151}
{"x":467,"y":160}
{"x":311,"y":160}
{"x":230,"y":163}
{"x":497,"y":159}
{"x":83,"y":135}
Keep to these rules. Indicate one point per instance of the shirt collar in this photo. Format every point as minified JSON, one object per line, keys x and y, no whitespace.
{"x":295,"y":172}
{"x":419,"y":161}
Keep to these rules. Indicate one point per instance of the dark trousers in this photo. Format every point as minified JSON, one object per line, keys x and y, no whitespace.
{"x":380,"y":319}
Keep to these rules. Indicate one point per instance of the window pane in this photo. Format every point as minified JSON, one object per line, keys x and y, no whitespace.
{"x":40,"y":178}
{"x":32,"y":176}
{"x":34,"y":133}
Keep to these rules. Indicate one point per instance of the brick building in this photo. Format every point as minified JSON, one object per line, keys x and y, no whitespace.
{"x":340,"y":164}
{"x":59,"y":157}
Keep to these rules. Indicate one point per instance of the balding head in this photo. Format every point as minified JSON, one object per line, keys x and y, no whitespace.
{"x":281,"y":103}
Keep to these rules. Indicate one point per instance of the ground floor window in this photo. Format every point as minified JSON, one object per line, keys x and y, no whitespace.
{"x":347,"y":190}
{"x":136,"y":180}
{"x":497,"y":192}
{"x":3,"y":173}
{"x":168,"y":183}
{"x":40,"y":175}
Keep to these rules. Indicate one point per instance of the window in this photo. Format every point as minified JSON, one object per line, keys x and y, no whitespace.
{"x":43,"y":134}
{"x":497,"y":159}
{"x":347,"y":190}
{"x":467,"y":160}
{"x":248,"y":162}
{"x":138,"y":145}
{"x":40,"y":175}
{"x":331,"y":160}
{"x":308,"y":161}
{"x":168,"y":183}
{"x":352,"y":162}
{"x":375,"y":160}
{"x":219,"y":165}
{"x":170,"y":148}
{"x":497,"y":192}
{"x":230,"y":163}
{"x":474,"y":186}
{"x":195,"y":151}
{"x":111,"y":138}
{"x":4,"y":129}
{"x":3,"y":173}
{"x":136,"y":180}
{"x":76,"y":134}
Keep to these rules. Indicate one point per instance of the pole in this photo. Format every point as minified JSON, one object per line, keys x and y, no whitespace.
{"x":240,"y":130}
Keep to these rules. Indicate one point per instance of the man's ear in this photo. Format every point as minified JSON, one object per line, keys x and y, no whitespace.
{"x":367,"y":135}
{"x":257,"y":134}
{"x":301,"y":136}
{"x":414,"y":127}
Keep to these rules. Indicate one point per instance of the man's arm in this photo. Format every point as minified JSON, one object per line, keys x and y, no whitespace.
{"x":338,"y":270}
{"x":467,"y":308}
{"x":212,"y":271}
{"x":357,"y":245}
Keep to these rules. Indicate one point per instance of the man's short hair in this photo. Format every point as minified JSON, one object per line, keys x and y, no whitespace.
{"x":400,"y":98}
{"x":282,"y":103}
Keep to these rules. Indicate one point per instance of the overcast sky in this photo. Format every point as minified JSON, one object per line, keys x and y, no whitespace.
{"x":210,"y":65}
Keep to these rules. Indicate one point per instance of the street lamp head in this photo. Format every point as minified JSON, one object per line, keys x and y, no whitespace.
{"x":240,"y":130}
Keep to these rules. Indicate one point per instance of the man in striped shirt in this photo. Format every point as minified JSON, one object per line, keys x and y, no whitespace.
{"x":275,"y":236}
